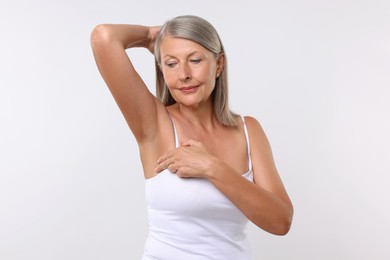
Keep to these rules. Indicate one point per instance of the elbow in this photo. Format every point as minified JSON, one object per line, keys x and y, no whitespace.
{"x":100,"y":35}
{"x":283,"y":226}
{"x":279,"y":224}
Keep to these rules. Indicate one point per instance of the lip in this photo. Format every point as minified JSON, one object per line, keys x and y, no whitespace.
{"x":189,"y":89}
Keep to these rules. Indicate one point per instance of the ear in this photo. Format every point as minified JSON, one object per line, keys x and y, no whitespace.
{"x":220,"y":64}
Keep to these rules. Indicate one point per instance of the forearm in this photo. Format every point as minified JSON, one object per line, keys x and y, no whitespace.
{"x":265,"y":209}
{"x":124,"y":34}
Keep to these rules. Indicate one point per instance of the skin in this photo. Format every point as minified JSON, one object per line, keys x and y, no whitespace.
{"x":208,"y":149}
{"x":190,"y":72}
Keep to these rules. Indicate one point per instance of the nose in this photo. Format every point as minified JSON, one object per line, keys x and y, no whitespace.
{"x":185,"y":72}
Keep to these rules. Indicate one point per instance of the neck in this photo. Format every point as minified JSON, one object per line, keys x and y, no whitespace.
{"x":200,"y":116}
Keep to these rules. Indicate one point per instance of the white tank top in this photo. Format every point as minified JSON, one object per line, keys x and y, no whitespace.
{"x":189,"y":218}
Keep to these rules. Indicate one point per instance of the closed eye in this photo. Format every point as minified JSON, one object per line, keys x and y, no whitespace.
{"x":170,"y":64}
{"x":195,"y":61}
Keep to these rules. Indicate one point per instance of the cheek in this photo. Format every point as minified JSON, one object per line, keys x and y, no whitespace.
{"x":203,"y":75}
{"x":209,"y":77}
{"x":169,"y":78}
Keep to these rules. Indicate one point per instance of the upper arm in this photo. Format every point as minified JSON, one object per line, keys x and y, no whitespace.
{"x":265,"y":173}
{"x":139,"y":107}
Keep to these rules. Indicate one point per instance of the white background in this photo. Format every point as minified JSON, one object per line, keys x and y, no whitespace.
{"x":314,"y":73}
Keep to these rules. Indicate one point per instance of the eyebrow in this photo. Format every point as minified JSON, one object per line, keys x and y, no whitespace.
{"x":192,"y":53}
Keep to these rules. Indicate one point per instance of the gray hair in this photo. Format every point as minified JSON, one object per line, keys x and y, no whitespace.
{"x":198,"y":30}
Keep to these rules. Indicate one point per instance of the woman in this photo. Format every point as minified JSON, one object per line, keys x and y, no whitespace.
{"x":207,"y":170}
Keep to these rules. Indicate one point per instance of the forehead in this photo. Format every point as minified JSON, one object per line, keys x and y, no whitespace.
{"x":171,"y":46}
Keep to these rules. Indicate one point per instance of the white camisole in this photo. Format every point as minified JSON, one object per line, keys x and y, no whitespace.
{"x":190,"y":219}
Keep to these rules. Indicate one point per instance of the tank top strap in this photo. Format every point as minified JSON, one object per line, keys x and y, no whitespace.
{"x":175,"y":133}
{"x":247,"y":144}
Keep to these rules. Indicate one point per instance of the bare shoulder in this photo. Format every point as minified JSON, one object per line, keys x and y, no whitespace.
{"x":255,"y":130}
{"x":265,"y":172}
{"x":251,"y":120}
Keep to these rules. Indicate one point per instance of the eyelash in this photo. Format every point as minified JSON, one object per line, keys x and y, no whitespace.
{"x":172,"y":64}
{"x":196,"y":61}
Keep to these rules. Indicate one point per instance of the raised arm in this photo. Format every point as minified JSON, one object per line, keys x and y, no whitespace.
{"x":139,"y":107}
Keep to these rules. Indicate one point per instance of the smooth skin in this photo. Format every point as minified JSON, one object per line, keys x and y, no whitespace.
{"x":208,"y":149}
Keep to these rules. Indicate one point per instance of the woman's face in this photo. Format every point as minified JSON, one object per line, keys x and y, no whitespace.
{"x":189,"y":70}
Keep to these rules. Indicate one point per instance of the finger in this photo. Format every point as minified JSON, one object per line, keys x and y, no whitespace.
{"x":182,"y":172}
{"x":163,"y":158}
{"x":167,"y":156}
{"x":172,"y":168}
{"x":164,"y":163}
{"x":162,"y":166}
{"x":159,"y":168}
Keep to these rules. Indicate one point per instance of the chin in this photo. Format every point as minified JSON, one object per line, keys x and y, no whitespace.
{"x":190,"y":102}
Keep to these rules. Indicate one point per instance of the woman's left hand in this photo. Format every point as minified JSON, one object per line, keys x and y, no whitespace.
{"x":192,"y":159}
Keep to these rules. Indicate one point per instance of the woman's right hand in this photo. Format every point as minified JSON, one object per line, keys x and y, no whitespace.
{"x":153,"y":32}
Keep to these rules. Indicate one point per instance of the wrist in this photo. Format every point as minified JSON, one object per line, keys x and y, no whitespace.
{"x":216,"y":166}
